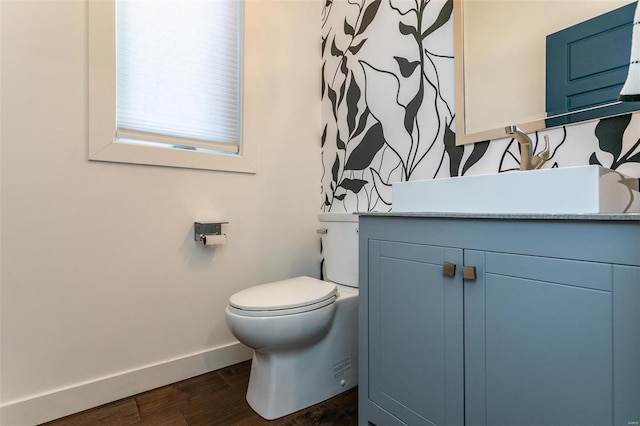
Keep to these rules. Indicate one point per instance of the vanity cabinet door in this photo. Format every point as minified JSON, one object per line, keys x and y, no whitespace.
{"x":626,"y":345}
{"x":539,"y":338}
{"x":415,"y":340}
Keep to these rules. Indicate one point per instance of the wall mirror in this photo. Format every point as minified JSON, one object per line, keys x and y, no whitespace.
{"x":500,"y":60}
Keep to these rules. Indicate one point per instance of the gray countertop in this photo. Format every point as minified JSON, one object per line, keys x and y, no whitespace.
{"x":511,"y":216}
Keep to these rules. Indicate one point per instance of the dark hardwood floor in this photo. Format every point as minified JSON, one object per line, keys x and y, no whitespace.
{"x":216,"y":398}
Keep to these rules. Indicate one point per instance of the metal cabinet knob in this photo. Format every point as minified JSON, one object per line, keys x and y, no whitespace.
{"x":449,"y":269}
{"x":469,"y":273}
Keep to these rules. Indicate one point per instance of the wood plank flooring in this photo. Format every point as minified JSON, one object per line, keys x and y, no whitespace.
{"x":216,"y":398}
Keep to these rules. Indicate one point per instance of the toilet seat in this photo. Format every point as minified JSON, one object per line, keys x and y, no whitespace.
{"x":292,"y":296}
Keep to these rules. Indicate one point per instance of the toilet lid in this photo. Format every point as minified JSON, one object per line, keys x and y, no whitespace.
{"x":287,"y":294}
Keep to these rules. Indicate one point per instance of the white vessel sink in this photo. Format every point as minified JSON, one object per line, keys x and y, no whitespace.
{"x":569,"y":190}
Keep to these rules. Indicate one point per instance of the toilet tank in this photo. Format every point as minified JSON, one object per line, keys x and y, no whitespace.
{"x":340,"y":247}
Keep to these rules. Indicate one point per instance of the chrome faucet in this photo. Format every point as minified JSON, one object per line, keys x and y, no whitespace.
{"x":528,"y":161}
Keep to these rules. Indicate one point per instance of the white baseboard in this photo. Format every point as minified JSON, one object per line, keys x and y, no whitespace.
{"x":62,"y":402}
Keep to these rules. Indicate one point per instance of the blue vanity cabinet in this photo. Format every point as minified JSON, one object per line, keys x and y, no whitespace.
{"x":545,"y":331}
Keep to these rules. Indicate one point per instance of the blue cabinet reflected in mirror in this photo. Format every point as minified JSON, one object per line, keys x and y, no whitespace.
{"x":587,"y":66}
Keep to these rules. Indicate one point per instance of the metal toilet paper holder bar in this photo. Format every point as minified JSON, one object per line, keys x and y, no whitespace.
{"x":201,"y":230}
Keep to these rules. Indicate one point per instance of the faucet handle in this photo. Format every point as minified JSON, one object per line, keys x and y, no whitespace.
{"x":545,"y":154}
{"x":539,"y":159}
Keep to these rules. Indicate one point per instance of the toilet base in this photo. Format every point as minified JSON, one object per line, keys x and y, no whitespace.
{"x":282,"y":382}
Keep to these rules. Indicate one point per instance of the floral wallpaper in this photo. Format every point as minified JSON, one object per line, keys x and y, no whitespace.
{"x":388,"y":112}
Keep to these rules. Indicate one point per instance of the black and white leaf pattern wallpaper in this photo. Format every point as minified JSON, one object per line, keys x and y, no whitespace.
{"x":388,"y":112}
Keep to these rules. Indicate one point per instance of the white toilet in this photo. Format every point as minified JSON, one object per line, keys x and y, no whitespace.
{"x":303,"y":331}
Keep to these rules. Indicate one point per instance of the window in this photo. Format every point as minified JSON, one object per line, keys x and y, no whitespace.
{"x":165,"y":84}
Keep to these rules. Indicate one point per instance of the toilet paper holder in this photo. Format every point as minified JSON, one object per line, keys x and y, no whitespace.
{"x":201,"y":230}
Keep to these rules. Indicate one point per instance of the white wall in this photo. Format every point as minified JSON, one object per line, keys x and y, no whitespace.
{"x":104,"y":293}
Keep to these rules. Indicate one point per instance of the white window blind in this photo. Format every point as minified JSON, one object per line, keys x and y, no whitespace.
{"x":178,"y":73}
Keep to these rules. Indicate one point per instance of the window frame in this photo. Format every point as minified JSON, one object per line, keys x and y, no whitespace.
{"x":103,"y":142}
